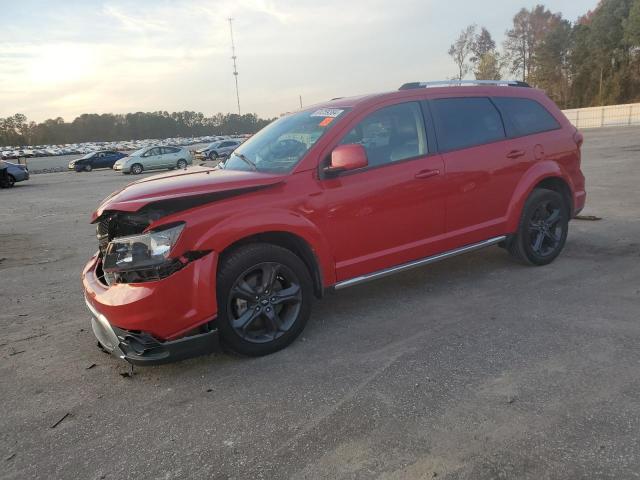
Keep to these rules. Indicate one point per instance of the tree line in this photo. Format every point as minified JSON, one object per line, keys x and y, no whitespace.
{"x":17,"y":130}
{"x":593,"y":61}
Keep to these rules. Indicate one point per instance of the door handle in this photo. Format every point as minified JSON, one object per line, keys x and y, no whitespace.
{"x":427,"y":173}
{"x":515,"y":154}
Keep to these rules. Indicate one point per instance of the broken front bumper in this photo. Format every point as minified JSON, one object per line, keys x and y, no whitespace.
{"x":139,"y":348}
{"x":158,"y":321}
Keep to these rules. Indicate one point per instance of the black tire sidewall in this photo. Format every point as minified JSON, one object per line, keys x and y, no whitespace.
{"x":523,"y":246}
{"x":238,"y":262}
{"x":88,"y":167}
{"x":182,"y":164}
{"x":133,"y":169}
{"x":213,"y":155}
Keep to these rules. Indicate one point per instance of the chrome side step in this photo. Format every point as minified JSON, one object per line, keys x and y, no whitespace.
{"x":417,"y":263}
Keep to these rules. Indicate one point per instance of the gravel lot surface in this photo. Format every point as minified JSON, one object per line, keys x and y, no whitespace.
{"x":473,"y":368}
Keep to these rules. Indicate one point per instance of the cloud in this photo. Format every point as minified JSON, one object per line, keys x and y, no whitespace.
{"x":134,"y":23}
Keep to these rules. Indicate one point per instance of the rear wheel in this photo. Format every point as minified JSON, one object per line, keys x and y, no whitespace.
{"x":136,"y":169}
{"x":543,"y":228}
{"x":182,"y":164}
{"x":264,"y":298}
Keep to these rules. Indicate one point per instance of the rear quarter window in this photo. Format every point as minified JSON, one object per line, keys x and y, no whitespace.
{"x":528,"y":116}
{"x":466,"y":122}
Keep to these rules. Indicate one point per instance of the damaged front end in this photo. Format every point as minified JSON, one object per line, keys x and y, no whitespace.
{"x":133,"y":250}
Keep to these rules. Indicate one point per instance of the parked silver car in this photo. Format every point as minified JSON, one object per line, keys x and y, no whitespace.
{"x":153,"y":158}
{"x":220,"y":149}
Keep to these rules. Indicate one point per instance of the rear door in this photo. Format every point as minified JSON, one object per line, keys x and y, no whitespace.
{"x":99,"y":160}
{"x":483,"y":166}
{"x":166,"y":158}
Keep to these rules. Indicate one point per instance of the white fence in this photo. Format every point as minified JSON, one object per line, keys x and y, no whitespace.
{"x":609,"y":116}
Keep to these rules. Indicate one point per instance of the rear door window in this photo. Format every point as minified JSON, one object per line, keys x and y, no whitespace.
{"x":391,"y":134}
{"x":466,"y":122}
{"x":527,"y":115}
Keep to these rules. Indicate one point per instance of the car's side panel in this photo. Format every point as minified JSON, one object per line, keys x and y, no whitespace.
{"x":536,"y":174}
{"x":383,"y":216}
{"x":269,"y":220}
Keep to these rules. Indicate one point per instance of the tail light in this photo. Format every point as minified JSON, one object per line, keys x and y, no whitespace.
{"x":578,"y":138}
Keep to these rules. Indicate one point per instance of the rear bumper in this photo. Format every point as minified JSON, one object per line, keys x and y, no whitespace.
{"x":579,"y":199}
{"x":155,"y":322}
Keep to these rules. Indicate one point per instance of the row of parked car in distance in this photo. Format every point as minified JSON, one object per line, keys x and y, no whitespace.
{"x":154,"y":157}
{"x":7,"y":153}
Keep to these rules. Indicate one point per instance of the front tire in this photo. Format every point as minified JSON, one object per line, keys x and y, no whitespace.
{"x":264,"y":297}
{"x":213,"y":156}
{"x":12,"y":181}
{"x":136,"y":169}
{"x":88,"y":167}
{"x":182,"y":164}
{"x":543,"y":228}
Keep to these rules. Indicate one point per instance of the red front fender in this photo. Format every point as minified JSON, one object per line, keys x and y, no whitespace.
{"x":239,"y":227}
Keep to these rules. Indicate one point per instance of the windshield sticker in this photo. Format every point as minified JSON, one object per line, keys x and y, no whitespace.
{"x":327,"y":112}
{"x":326,"y":122}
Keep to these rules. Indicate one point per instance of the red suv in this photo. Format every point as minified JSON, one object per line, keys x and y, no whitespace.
{"x":338,"y":194}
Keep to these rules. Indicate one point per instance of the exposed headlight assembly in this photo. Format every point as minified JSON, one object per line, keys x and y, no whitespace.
{"x":142,"y":258}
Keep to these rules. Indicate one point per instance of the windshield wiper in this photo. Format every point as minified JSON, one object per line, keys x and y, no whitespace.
{"x":247,"y":161}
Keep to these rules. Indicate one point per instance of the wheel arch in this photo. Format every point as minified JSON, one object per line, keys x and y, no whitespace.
{"x":548,"y":175}
{"x":559,"y":185}
{"x":292,"y":242}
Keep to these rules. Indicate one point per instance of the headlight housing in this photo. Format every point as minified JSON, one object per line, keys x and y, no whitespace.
{"x":142,"y":258}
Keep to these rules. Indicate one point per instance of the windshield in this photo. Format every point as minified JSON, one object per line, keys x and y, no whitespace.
{"x":211,"y":145}
{"x":88,"y":155}
{"x":278,"y":147}
{"x":137,"y":153}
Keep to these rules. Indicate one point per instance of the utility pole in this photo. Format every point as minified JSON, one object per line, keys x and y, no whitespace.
{"x":235,"y":69}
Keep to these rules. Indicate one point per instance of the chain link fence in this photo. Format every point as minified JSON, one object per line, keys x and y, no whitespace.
{"x":609,"y":116}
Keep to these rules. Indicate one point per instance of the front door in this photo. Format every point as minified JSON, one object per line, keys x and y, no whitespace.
{"x":393,"y":210}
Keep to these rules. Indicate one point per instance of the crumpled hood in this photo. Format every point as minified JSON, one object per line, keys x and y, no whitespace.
{"x":194,"y":182}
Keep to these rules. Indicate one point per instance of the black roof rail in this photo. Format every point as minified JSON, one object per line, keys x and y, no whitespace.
{"x":463,"y":83}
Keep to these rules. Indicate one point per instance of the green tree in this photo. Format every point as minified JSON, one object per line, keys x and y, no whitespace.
{"x":489,"y":67}
{"x":462,"y":49}
{"x":525,"y":37}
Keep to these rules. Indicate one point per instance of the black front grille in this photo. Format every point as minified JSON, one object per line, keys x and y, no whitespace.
{"x":119,"y":225}
{"x":102,"y":232}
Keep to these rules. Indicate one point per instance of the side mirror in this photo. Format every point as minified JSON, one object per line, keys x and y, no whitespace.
{"x":347,"y":157}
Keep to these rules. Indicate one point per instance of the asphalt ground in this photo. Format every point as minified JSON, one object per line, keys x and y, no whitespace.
{"x":472,"y":368}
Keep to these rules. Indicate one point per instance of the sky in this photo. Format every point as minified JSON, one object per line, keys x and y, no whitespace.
{"x":65,"y":58}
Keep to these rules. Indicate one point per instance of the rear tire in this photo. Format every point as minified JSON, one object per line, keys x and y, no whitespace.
{"x":136,"y":169}
{"x":542,"y":230}
{"x":264,"y":297}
